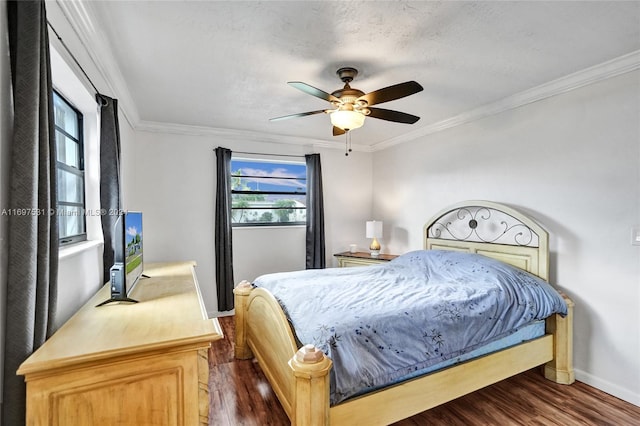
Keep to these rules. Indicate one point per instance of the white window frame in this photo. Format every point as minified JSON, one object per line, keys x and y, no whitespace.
{"x":78,"y":171}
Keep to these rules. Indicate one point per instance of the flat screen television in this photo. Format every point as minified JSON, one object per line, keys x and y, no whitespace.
{"x":128,"y":257}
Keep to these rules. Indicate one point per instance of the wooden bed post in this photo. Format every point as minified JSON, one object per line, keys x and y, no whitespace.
{"x":560,"y":369}
{"x":311,"y":389}
{"x":241,"y":294}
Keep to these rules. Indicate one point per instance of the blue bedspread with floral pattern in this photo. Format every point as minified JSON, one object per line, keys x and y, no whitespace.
{"x":380,"y":323}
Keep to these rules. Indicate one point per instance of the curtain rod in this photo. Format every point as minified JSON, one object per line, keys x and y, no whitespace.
{"x":262,"y":153}
{"x":73,"y":57}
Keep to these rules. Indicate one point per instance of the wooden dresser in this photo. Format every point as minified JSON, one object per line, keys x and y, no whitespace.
{"x":128,"y":364}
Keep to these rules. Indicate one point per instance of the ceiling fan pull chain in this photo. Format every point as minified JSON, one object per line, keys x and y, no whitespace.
{"x":346,"y":143}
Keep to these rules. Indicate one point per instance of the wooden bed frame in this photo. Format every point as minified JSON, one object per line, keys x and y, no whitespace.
{"x":300,"y":376}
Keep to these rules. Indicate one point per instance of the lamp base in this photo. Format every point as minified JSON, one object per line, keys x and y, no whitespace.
{"x":374,"y":248}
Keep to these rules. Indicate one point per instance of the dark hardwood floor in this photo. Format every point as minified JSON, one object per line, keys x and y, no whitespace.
{"x":241,"y":395}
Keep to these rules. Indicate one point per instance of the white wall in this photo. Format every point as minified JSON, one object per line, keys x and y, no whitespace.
{"x":572,"y":163}
{"x":175,"y":190}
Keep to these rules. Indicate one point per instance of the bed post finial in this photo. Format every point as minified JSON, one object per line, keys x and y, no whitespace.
{"x":311,"y":374}
{"x":241,"y":294}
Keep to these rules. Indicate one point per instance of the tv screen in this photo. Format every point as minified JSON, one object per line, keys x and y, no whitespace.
{"x":132,"y":248}
{"x":128,"y":260}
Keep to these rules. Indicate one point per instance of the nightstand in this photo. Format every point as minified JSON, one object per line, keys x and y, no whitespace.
{"x":361,"y":258}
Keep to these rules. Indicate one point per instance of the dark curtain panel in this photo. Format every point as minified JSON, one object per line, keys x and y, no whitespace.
{"x":109,"y":176}
{"x":224,"y":255}
{"x":32,"y":269}
{"x":315,"y":214}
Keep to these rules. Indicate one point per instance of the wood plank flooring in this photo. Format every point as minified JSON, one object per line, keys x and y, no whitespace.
{"x":241,"y":396}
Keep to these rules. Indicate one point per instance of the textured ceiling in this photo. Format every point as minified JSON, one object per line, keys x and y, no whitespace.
{"x":225,"y":65}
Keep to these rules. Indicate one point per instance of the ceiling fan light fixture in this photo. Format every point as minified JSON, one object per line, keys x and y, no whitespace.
{"x":347,"y":120}
{"x":353,"y":105}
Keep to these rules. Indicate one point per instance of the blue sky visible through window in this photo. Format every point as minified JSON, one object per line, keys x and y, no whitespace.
{"x":268,"y":192}
{"x":271,"y":176}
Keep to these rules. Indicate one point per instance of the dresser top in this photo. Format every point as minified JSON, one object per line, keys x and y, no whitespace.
{"x":170,"y":313}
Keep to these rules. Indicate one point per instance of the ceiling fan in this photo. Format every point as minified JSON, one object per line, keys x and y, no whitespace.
{"x":353,"y":105}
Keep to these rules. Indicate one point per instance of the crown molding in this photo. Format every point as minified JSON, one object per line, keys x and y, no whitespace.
{"x":242,"y":135}
{"x":80,"y":18}
{"x":594,"y":74}
{"x":79,"y":15}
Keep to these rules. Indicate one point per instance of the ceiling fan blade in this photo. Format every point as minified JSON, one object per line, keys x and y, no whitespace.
{"x":300,"y":114}
{"x":337,"y":131}
{"x":313,"y":91}
{"x":389,"y":115}
{"x":391,"y":93}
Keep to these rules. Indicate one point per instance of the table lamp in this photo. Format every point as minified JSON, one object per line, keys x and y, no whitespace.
{"x":374,"y":230}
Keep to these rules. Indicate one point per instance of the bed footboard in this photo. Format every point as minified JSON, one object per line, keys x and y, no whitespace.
{"x":263,"y":332}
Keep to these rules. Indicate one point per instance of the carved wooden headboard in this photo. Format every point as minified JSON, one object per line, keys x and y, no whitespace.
{"x":493,"y":230}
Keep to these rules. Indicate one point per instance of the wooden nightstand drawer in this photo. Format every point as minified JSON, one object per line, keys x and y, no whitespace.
{"x":347,"y":259}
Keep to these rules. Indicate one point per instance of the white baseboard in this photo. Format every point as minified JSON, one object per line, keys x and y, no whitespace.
{"x":216,"y":314}
{"x":608,"y":387}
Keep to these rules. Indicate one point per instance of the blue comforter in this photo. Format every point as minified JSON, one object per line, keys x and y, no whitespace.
{"x":380,"y":323}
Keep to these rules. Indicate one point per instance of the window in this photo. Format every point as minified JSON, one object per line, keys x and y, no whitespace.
{"x":70,"y":171}
{"x":268,"y":192}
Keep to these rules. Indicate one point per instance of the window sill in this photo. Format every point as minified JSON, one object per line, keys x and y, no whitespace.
{"x":77,"y":248}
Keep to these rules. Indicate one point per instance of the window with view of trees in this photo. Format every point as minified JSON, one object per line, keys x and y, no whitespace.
{"x":268,"y":192}
{"x":70,"y":171}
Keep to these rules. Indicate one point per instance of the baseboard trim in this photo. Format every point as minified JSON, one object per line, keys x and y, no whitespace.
{"x":608,"y":387}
